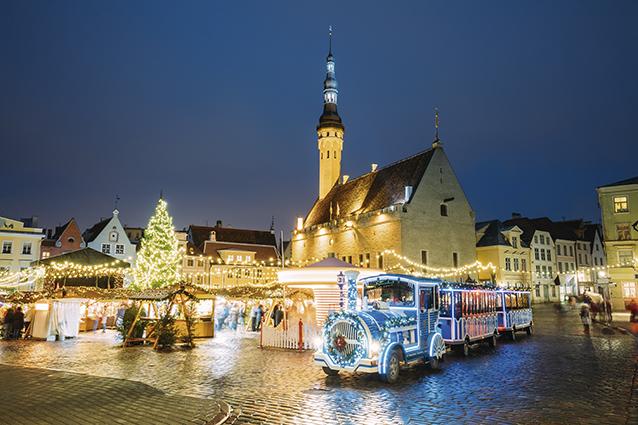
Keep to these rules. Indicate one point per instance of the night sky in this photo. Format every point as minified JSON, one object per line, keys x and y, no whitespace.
{"x":216,"y":104}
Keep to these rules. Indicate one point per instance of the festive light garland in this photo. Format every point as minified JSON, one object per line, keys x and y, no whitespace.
{"x":334,"y":341}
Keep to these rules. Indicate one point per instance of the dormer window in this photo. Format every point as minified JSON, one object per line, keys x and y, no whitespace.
{"x":514,"y":242}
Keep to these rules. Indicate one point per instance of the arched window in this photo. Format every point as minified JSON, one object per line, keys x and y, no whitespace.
{"x":328,"y":154}
{"x":444,"y":210}
{"x":335,"y":155}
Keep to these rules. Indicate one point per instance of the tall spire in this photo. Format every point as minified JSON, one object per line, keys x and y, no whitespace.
{"x":437,"y":141}
{"x":330,"y":117}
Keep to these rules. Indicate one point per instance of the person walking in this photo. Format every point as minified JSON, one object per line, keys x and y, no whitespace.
{"x":585,"y":317}
{"x":260,"y":314}
{"x":633,"y":310}
{"x":18,"y":323}
{"x":8,"y":323}
{"x":253,"y":318}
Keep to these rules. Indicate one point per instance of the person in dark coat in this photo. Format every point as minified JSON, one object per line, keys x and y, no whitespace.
{"x":18,"y":322}
{"x":8,"y":324}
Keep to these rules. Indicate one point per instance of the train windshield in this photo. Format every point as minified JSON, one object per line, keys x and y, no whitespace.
{"x":382,"y":294}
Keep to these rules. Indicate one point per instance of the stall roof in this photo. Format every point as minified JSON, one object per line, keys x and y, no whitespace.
{"x":85,"y":257}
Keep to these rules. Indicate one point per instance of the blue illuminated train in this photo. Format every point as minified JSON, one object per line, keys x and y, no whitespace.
{"x":406,"y":320}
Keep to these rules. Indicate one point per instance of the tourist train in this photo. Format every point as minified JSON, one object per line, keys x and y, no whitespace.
{"x":404,"y":320}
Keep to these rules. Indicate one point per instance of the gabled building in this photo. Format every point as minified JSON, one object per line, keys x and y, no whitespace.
{"x":66,"y":238}
{"x":536,"y":234}
{"x":19,"y":244}
{"x":619,"y":209}
{"x":414,"y":208}
{"x":109,"y":237}
{"x":588,"y":255}
{"x":504,"y":247}
{"x":222,"y":256}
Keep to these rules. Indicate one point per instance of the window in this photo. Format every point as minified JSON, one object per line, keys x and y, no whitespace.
{"x":350,"y":259}
{"x":595,"y":261}
{"x":443,"y":210}
{"x":580,"y":258}
{"x":538,"y":291}
{"x":381,"y":261}
{"x":46,"y":254}
{"x":536,"y":254}
{"x":516,"y":264}
{"x":247,"y":260}
{"x":551,"y":271}
{"x":571,"y":250}
{"x":524,"y":265}
{"x":231,"y":258}
{"x":106,"y":248}
{"x":560,"y":267}
{"x":328,"y":153}
{"x":455,"y":259}
{"x":544,"y":271}
{"x":360,"y":260}
{"x":6,"y":247}
{"x":625,"y":256}
{"x":26,"y":248}
{"x":239,"y":258}
{"x":542,"y":239}
{"x":629,"y":290}
{"x":538,"y":271}
{"x":190,"y":262}
{"x":558,"y":250}
{"x":119,"y":249}
{"x":623,"y":231}
{"x":543,"y":254}
{"x":620,"y":204}
{"x":391,"y":293}
{"x":549,"y":255}
{"x":553,"y":290}
{"x":508,"y":264}
{"x":514,"y":242}
{"x":368,"y":260}
{"x":535,"y":239}
{"x":424,"y":257}
{"x":200,"y":263}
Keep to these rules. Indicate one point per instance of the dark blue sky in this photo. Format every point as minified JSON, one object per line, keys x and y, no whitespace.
{"x":217,"y":103}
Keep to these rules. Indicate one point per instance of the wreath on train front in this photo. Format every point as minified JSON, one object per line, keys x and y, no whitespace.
{"x":337,"y":342}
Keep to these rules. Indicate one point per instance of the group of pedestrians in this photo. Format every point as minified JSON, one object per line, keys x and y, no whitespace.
{"x":13,"y":322}
{"x":230,"y":315}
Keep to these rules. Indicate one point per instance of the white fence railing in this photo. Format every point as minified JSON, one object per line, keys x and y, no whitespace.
{"x":298,"y":336}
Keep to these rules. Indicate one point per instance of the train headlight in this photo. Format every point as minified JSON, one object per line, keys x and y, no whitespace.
{"x":318,"y":341}
{"x":374,"y":348}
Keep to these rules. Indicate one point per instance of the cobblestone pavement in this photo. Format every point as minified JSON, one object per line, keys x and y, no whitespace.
{"x":558,"y":375}
{"x":40,"y":396}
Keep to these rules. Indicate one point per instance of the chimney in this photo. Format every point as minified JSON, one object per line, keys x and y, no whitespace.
{"x":373,"y":167}
{"x":219,"y":223}
{"x":49,"y":233}
{"x":516,"y":215}
{"x":345,"y":179}
{"x":408,"y":194}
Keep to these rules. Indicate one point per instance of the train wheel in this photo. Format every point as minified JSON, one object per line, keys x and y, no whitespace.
{"x":393,"y":368}
{"x":492,"y":341}
{"x":529,"y":330}
{"x":330,"y":372}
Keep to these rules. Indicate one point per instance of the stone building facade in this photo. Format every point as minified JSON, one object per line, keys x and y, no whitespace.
{"x":409,"y":216}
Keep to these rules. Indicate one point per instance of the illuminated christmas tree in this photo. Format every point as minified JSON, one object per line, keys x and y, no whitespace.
{"x":159,"y":259}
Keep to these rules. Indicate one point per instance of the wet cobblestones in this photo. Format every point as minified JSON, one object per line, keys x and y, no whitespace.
{"x":556,"y":376}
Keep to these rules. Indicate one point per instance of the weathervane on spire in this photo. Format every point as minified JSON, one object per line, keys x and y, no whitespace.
{"x":330,"y":39}
{"x":436,"y":123}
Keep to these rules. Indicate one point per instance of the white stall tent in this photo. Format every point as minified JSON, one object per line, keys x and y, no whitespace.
{"x":57,"y":318}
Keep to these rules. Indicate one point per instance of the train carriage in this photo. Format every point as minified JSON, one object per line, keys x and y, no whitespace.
{"x":514,"y":312}
{"x":469,"y":315}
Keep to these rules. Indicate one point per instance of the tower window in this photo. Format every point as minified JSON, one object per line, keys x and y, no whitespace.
{"x":328,"y":154}
{"x":335,"y":155}
{"x":321,"y":155}
{"x":443,"y":210}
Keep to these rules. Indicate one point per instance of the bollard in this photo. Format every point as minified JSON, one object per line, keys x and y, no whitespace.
{"x":300,"y":335}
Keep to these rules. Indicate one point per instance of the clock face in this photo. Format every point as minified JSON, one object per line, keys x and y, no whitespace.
{"x":113,"y":236}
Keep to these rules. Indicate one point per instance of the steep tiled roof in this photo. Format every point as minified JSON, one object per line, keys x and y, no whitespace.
{"x":199,"y":234}
{"x":86,"y":257}
{"x":372,"y":191}
{"x":90,"y":234}
{"x":558,"y":230}
{"x":60,"y":229}
{"x":262,"y":252}
{"x":632,"y":180}
{"x":491,"y":233}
